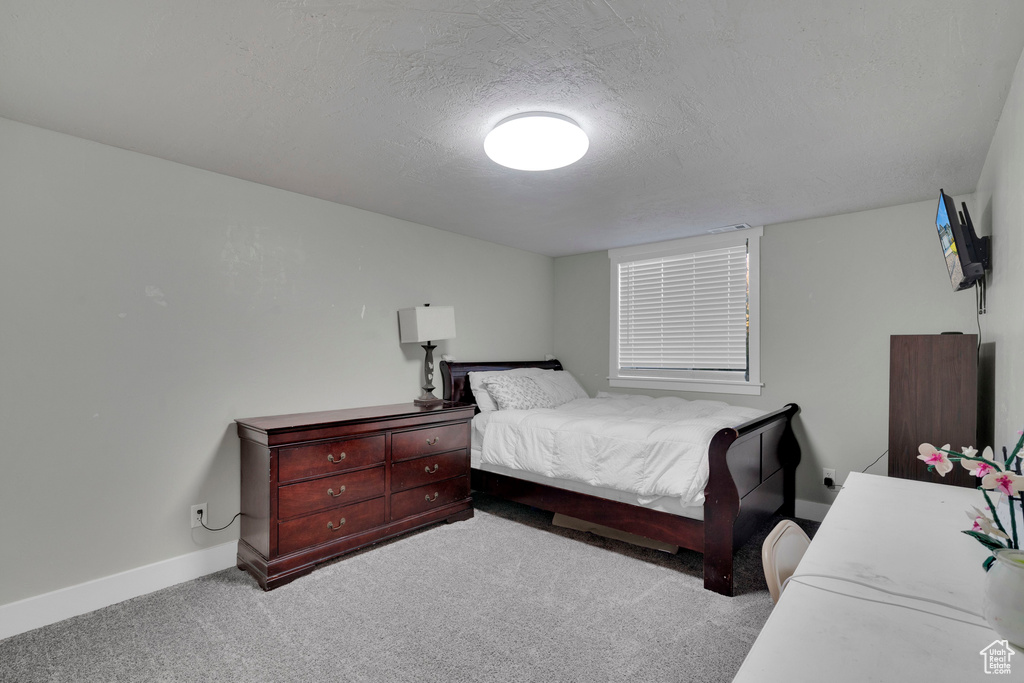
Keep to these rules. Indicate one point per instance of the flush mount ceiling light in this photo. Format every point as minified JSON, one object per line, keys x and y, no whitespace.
{"x":536,"y":141}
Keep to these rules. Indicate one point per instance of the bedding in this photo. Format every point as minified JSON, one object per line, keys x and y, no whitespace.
{"x":644,"y":446}
{"x":560,"y":386}
{"x":661,"y":503}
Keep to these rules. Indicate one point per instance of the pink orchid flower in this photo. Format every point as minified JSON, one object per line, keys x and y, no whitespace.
{"x":935,"y":458}
{"x":978,"y":468}
{"x":981,"y":523}
{"x":1005,"y":482}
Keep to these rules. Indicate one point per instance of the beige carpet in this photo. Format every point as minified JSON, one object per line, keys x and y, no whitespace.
{"x":502,"y":597}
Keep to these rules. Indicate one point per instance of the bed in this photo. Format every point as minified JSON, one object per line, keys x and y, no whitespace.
{"x":750,"y":477}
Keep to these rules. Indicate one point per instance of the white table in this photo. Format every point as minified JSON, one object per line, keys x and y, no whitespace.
{"x":903,"y":536}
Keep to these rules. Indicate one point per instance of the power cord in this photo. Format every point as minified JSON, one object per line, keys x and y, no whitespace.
{"x":979,"y":297}
{"x":221,"y":528}
{"x":864,"y":471}
{"x":832,"y":486}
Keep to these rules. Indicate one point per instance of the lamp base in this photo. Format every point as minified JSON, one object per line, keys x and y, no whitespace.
{"x":427,"y":398}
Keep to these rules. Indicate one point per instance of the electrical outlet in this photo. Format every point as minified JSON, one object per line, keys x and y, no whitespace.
{"x":198,"y":515}
{"x":827,"y":473}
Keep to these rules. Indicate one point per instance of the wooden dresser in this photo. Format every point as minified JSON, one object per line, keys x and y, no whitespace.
{"x":318,"y":485}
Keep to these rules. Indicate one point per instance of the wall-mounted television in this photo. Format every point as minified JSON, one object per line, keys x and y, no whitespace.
{"x":966,"y":254}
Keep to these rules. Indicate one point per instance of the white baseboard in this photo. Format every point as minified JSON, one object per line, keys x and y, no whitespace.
{"x":48,"y":608}
{"x":40,"y":610}
{"x":808,"y":509}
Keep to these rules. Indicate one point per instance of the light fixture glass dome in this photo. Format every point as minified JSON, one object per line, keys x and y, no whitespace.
{"x":536,"y":141}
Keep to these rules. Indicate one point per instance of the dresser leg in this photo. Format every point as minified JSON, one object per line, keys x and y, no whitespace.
{"x":460,"y":516}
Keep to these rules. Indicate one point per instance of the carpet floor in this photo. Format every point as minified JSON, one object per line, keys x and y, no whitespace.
{"x":504,"y":596}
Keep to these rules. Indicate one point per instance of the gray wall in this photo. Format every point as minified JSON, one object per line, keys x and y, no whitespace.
{"x":1000,"y":202}
{"x":832,"y":292}
{"x":145,"y":305}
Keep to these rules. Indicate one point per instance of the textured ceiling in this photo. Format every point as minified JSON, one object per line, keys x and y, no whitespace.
{"x":701,"y":113}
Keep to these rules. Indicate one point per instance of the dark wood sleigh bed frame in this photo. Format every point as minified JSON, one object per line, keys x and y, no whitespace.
{"x":752,"y":476}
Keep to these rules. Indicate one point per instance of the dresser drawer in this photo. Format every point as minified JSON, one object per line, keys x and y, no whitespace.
{"x":330,"y":456}
{"x":310,"y":496}
{"x":428,"y":497}
{"x":304,"y":532}
{"x":405,"y":445}
{"x":410,"y":473}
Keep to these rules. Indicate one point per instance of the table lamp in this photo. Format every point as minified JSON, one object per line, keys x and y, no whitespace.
{"x":427,"y":323}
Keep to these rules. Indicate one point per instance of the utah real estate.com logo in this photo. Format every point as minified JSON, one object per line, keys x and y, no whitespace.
{"x":997,"y":657}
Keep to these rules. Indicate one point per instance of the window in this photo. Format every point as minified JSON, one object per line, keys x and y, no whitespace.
{"x":684,"y":314}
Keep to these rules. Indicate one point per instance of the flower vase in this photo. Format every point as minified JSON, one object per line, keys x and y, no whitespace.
{"x":1004,"y":596}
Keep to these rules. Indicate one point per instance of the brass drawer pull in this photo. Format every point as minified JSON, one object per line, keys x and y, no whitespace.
{"x":330,"y":525}
{"x":332,"y":494}
{"x":431,"y":442}
{"x":430,"y":471}
{"x":330,"y":456}
{"x":431,"y":500}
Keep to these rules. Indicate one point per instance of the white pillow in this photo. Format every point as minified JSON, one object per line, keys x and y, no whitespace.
{"x":518,"y":393}
{"x":484,"y":401}
{"x":561,"y":386}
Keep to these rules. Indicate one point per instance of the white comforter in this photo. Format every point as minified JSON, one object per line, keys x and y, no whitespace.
{"x":648,"y":446}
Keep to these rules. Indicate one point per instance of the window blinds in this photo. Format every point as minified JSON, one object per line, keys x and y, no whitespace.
{"x":685,"y":312}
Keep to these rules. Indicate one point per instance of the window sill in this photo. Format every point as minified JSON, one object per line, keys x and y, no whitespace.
{"x":700,"y":386}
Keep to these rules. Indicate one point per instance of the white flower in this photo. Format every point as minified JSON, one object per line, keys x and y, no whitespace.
{"x":980,"y":468}
{"x":982,"y":523}
{"x":935,"y":458}
{"x":1004,"y":482}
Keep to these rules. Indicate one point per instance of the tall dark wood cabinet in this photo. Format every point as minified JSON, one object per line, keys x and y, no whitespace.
{"x":933,"y":398}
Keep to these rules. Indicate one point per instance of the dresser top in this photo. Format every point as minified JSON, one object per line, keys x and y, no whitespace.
{"x":275,"y":423}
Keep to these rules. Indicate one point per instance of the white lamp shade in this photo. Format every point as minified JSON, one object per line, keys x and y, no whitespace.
{"x":426,"y":323}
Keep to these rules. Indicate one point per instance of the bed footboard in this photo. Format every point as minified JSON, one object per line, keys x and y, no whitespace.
{"x":752,"y":476}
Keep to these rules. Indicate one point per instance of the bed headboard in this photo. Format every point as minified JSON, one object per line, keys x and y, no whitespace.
{"x":455,"y":376}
